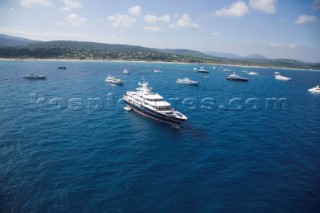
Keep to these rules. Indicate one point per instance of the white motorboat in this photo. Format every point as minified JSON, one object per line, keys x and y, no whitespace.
{"x":128,"y":108}
{"x":187,"y":81}
{"x":125,"y":71}
{"x":315,"y":90}
{"x":33,"y":76}
{"x":252,"y":73}
{"x":157,"y":70}
{"x":279,"y":77}
{"x":152,"y":105}
{"x":235,"y":77}
{"x":113,"y":80}
{"x":202,"y":70}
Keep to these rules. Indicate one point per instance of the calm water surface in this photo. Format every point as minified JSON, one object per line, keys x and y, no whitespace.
{"x":66,"y":144}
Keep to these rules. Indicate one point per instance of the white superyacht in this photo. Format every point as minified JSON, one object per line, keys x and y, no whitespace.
{"x":152,"y":105}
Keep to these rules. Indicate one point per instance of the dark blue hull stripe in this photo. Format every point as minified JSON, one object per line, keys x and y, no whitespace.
{"x":157,"y":116}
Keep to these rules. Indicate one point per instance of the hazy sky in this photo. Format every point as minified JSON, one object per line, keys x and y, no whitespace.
{"x":273,"y":28}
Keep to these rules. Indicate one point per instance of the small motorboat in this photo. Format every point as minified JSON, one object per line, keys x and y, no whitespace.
{"x":157,"y":70}
{"x":113,"y":80}
{"x":315,"y":90}
{"x":187,"y":81}
{"x":279,"y":77}
{"x":252,"y":73}
{"x":202,"y":70}
{"x":127,"y":108}
{"x":35,"y":76}
{"x":235,"y":77}
{"x":62,"y":68}
{"x":125,"y":71}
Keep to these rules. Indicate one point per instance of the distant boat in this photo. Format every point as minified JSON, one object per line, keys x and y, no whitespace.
{"x":202,"y":70}
{"x":245,"y":71}
{"x":113,"y":80}
{"x":187,"y":81}
{"x":235,"y":77}
{"x":252,"y":73}
{"x":315,"y":90}
{"x":62,"y":68}
{"x":34,"y":76}
{"x":157,"y":70}
{"x":226,"y":70}
{"x":279,"y":77}
{"x":125,"y":71}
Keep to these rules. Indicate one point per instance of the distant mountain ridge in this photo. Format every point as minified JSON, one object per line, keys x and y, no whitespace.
{"x":20,"y":48}
{"x":6,"y":40}
{"x":234,"y":56}
{"x":256,"y":56}
{"x":84,"y":45}
{"x":223,"y":55}
{"x":185,"y":52}
{"x":84,"y":50}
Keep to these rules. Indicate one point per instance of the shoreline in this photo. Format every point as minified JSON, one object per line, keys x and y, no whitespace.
{"x":155,"y":62}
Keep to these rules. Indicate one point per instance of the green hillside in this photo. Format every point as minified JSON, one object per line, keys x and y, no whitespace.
{"x":93,"y":50}
{"x":101,"y":51}
{"x":6,"y":40}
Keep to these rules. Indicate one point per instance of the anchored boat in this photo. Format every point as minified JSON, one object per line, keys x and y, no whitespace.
{"x":315,"y":90}
{"x":235,"y":77}
{"x":202,"y":70}
{"x":113,"y":80}
{"x":152,"y":105}
{"x":35,"y":76}
{"x":187,"y":81}
{"x":279,"y":77}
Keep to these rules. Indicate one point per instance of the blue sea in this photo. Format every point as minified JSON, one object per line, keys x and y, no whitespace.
{"x":67,"y":144}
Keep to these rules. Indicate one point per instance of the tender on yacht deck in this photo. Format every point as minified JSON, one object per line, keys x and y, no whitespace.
{"x":158,"y":103}
{"x":153,"y":96}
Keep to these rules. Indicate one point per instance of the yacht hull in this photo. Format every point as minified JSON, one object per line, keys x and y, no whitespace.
{"x":237,"y":79}
{"x":154,"y":115}
{"x":194,"y":84}
{"x":35,"y":77}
